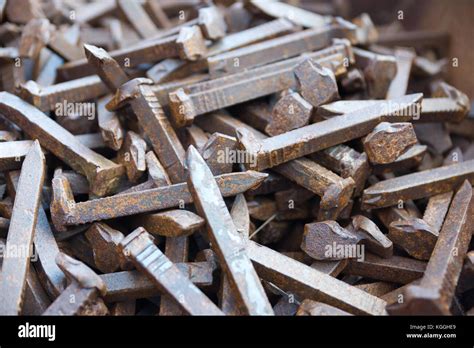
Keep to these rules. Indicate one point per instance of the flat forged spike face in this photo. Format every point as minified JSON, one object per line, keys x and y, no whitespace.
{"x":138,"y":247}
{"x":228,"y":244}
{"x":21,"y":231}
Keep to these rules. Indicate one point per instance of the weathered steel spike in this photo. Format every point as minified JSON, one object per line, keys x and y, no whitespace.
{"x":51,"y":277}
{"x":21,"y":232}
{"x":241,"y":218}
{"x":388,"y":141}
{"x":138,"y":18}
{"x":110,"y":127}
{"x":171,"y":223}
{"x":103,"y":174}
{"x":51,"y":98}
{"x":434,"y":294}
{"x":314,"y":308}
{"x":233,"y":89}
{"x":303,"y":141}
{"x":86,"y":287}
{"x":396,"y":269}
{"x":418,"y":236}
{"x":398,"y":86}
{"x":130,"y":285}
{"x":334,"y":191}
{"x":417,"y":185}
{"x":226,"y":241}
{"x":139,"y":248}
{"x":269,"y":51}
{"x":189,"y":46}
{"x":306,"y":282}
{"x":347,"y":162}
{"x":65,"y":211}
{"x":104,"y":242}
{"x":132,"y":156}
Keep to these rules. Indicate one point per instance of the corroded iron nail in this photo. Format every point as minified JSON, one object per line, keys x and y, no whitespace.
{"x":334,"y":191}
{"x":332,"y":268}
{"x":269,"y":51}
{"x":104,"y":242}
{"x":21,"y":232}
{"x":57,"y":97}
{"x":241,"y":218}
{"x":246,"y":37}
{"x":347,"y":162}
{"x":172,"y":223}
{"x":103,"y":174}
{"x":139,"y":248}
{"x":130,"y":285}
{"x":110,"y":127}
{"x":212,"y":23}
{"x":417,"y":185}
{"x":311,"y":75}
{"x":156,"y":172}
{"x":196,"y":137}
{"x":39,"y":33}
{"x":12,"y":154}
{"x":86,"y":288}
{"x":314,"y":308}
{"x":295,"y":14}
{"x":229,"y":246}
{"x":379,"y":71}
{"x":294,"y":106}
{"x":132,"y":156}
{"x":450,"y":108}
{"x":398,"y":86}
{"x":412,"y":158}
{"x":65,"y":211}
{"x":418,"y":236}
{"x":417,"y":39}
{"x":371,"y":236}
{"x":276,"y":150}
{"x":51,"y":277}
{"x":217,"y":151}
{"x":377,"y":288}
{"x":138,"y":94}
{"x":306,"y":282}
{"x":138,"y":18}
{"x":433,"y":295}
{"x":396,"y":269}
{"x":388,"y":141}
{"x":188,"y":45}
{"x":233,"y":89}
{"x":108,"y":69}
{"x":327,"y":240}
{"x":158,"y":15}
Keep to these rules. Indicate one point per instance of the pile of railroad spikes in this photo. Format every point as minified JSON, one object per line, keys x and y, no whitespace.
{"x":192,"y":157}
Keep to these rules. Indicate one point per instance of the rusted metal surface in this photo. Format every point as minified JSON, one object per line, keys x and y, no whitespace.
{"x":434,"y":293}
{"x":85,"y":287}
{"x":21,"y":232}
{"x":172,"y":223}
{"x":285,"y":147}
{"x":229,"y":246}
{"x":388,"y":141}
{"x":417,"y":185}
{"x":310,"y":283}
{"x":129,"y":285}
{"x":102,"y":173}
{"x":139,"y":248}
{"x":65,"y":211}
{"x":332,"y":141}
{"x":314,"y":308}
